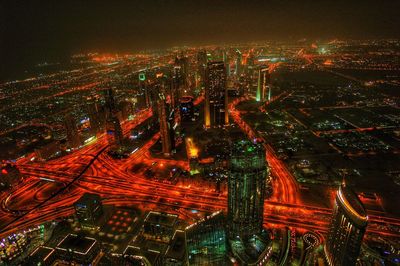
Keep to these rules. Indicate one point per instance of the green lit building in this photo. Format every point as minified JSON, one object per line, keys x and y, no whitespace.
{"x":246,"y":189}
{"x":239,"y":238}
{"x":249,"y":242}
{"x":206,"y":242}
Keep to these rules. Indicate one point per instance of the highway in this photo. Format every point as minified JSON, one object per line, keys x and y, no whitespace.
{"x":49,"y":189}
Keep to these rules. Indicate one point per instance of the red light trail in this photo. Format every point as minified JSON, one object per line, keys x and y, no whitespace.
{"x":64,"y":180}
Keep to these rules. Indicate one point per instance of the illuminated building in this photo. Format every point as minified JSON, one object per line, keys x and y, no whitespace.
{"x":226,"y":62}
{"x":165,"y":130}
{"x":186,"y":108}
{"x":346,"y":230}
{"x":88,"y":210}
{"x":238,"y":63}
{"x":180,"y":75}
{"x":126,"y":108}
{"x":176,"y":252}
{"x":78,"y":249}
{"x":95,"y":118}
{"x":177,"y":84}
{"x":160,"y":226}
{"x":73,"y":137}
{"x":206,"y":242}
{"x":249,"y":241}
{"x":263,"y":84}
{"x":143,"y":88}
{"x":216,"y":98}
{"x":201,"y":66}
{"x":246,"y":189}
{"x":47,"y":151}
{"x":113,"y":126}
{"x":136,"y":256}
{"x":42,"y":255}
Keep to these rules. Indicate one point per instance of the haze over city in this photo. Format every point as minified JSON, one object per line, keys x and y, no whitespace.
{"x":200,"y":133}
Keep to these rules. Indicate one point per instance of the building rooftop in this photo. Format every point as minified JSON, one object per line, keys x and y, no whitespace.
{"x":246,"y":148}
{"x":88,"y":198}
{"x":176,"y":250}
{"x":76,"y":244}
{"x":41,"y":254}
{"x":160,"y":218}
{"x":351,"y":202}
{"x":148,"y":257}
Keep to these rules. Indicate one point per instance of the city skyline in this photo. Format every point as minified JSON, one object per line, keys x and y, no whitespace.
{"x":171,"y":133}
{"x":35,"y":33}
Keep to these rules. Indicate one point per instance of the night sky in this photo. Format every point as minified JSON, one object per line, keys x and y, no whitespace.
{"x":35,"y":31}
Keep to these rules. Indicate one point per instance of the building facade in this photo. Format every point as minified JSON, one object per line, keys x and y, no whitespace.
{"x":216,"y":96}
{"x":246,"y":189}
{"x":346,"y":230}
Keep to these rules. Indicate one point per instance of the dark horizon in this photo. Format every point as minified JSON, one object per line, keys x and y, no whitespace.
{"x":33,"y":33}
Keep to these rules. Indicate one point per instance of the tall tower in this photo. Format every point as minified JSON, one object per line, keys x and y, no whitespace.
{"x":346,"y":230}
{"x":73,"y":137}
{"x":177,"y":84}
{"x":164,"y":126}
{"x":262,"y":85}
{"x":113,"y":124}
{"x":246,"y":189}
{"x":238,"y":63}
{"x":225,"y":58}
{"x":95,"y":118}
{"x":143,"y":88}
{"x":216,"y":96}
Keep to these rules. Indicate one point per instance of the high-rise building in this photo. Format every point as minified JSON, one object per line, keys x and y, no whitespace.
{"x":238,"y":63}
{"x":73,"y":136}
{"x":113,"y":126}
{"x":249,"y":241}
{"x":201,"y":66}
{"x":225,"y":58}
{"x":178,"y":84}
{"x":186,"y":108}
{"x":164,"y":126}
{"x":263,"y":84}
{"x":216,"y":96}
{"x":246,"y":189}
{"x":114,"y":130}
{"x":346,"y":230}
{"x":95,"y":118}
{"x":88,"y":210}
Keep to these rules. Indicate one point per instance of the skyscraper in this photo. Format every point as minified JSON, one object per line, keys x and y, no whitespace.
{"x":186,"y":108}
{"x":263,"y":84}
{"x":95,"y":118}
{"x":238,"y":63}
{"x":113,"y":126}
{"x":177,"y":84}
{"x":164,"y":126}
{"x":216,"y":96}
{"x":201,"y":66}
{"x":226,"y":62}
{"x":246,"y":189}
{"x":346,"y":230}
{"x":73,"y":137}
